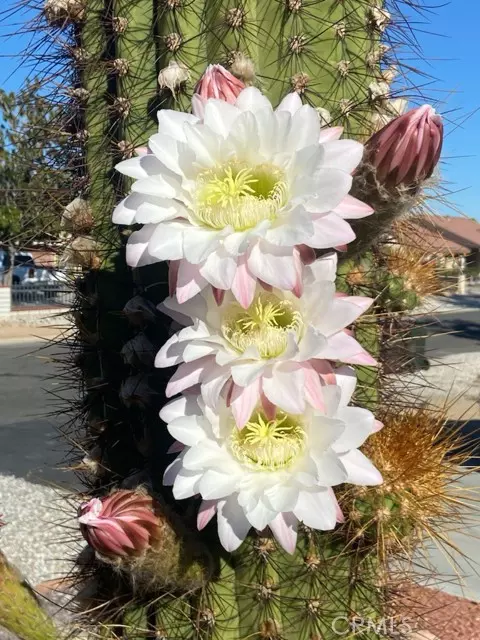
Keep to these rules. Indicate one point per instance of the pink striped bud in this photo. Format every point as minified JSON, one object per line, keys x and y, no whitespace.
{"x":406,"y":151}
{"x":219,"y":83}
{"x":121,"y":524}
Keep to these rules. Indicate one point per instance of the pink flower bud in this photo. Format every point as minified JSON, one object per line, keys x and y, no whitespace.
{"x":121,"y":524}
{"x":219,"y":83}
{"x":406,"y":151}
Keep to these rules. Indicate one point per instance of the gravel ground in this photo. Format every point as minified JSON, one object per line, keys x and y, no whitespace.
{"x":40,"y":535}
{"x":455,"y":377}
{"x":445,"y":616}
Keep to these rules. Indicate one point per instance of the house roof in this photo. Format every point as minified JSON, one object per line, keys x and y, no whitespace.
{"x":451,"y":234}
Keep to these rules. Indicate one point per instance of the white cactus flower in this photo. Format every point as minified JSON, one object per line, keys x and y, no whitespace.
{"x":232,"y":195}
{"x":276,"y":471}
{"x":278,"y":349}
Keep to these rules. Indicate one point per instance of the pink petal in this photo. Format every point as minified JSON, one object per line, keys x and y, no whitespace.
{"x":328,"y":134}
{"x":345,"y":348}
{"x":284,"y":528}
{"x":339,"y":512}
{"x":190,"y":281}
{"x":206,"y":512}
{"x":244,"y":283}
{"x":268,"y":407}
{"x":243,"y":401}
{"x":377,"y":426}
{"x":313,"y":388}
{"x":307,"y":254}
{"x":176,"y":447}
{"x":324,"y":370}
{"x":173,"y":267}
{"x":219,"y":295}
{"x":350,"y":207}
{"x":188,"y":374}
{"x":298,"y":288}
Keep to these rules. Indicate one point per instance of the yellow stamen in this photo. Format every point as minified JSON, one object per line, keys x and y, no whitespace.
{"x":268,"y":445}
{"x":265,"y":325}
{"x":239,"y":196}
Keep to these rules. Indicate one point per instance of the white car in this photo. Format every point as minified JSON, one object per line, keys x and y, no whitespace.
{"x":26,"y":272}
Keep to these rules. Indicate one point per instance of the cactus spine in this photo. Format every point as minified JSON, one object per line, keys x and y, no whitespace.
{"x":331,"y":53}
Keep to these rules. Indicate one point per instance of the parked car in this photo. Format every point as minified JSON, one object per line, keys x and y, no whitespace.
{"x":26,"y":272}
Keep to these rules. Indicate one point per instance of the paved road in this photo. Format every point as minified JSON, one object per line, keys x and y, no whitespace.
{"x":29,"y":392}
{"x":462,"y":329}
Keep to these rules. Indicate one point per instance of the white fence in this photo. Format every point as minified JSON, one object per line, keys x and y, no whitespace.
{"x":40,"y":294}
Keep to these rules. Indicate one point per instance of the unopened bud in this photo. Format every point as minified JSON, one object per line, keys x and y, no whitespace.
{"x":406,"y":151}
{"x":219,"y":83}
{"x":173,"y":76}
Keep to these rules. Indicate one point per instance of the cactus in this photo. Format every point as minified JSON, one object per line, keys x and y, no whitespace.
{"x":131,"y":58}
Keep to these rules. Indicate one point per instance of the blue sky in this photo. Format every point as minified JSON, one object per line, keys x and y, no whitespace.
{"x":450,"y":43}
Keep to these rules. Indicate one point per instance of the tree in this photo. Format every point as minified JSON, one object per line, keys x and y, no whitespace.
{"x":33,"y":179}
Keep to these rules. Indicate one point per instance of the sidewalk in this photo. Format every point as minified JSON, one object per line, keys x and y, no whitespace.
{"x":11,"y":334}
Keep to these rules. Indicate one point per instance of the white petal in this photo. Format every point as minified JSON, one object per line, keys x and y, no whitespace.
{"x":297,"y":228}
{"x":344,"y":348}
{"x":175,"y":155}
{"x":187,"y":375}
{"x":233,"y":526}
{"x":219,"y":269}
{"x":205,"y":144}
{"x":316,"y":509}
{"x":198,"y":243}
{"x":305,"y":128}
{"x":213,"y":384}
{"x":195,"y":350}
{"x":214,"y":484}
{"x":140,"y":167}
{"x":183,"y":406}
{"x":284,"y":387}
{"x":251,"y":99}
{"x":187,"y":429}
{"x":318,"y":300}
{"x":325,"y":268}
{"x":186,"y":484}
{"x":330,"y":231}
{"x":330,"y":470}
{"x":342,"y":312}
{"x":171,"y":353}
{"x":330,"y":187}
{"x":126,"y":210}
{"x":189,"y":281}
{"x":260,"y":515}
{"x":166,"y":242}
{"x":282,"y":497}
{"x":206,"y":455}
{"x":159,"y":210}
{"x":359,"y":424}
{"x":324,"y":432}
{"x":331,"y":398}
{"x":360,"y":470}
{"x":220,"y":116}
{"x":137,"y":254}
{"x":172,"y":123}
{"x":247,"y":372}
{"x":291,"y":103}
{"x":274,"y":265}
{"x":343,"y":154}
{"x":346,"y":379}
{"x":157,"y":186}
{"x":311,"y":345}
